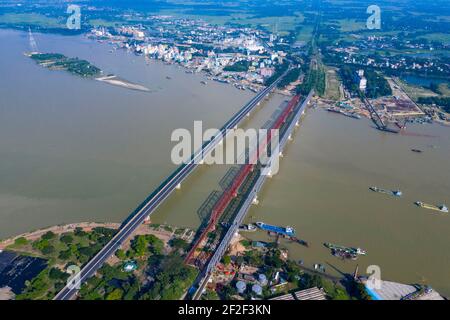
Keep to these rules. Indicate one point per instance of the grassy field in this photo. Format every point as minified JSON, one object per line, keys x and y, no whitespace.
{"x":305,"y":33}
{"x":415,"y":91}
{"x":30,"y":19}
{"x":332,"y":84}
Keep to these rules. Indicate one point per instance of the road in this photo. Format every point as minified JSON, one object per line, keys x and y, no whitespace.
{"x":157,"y":197}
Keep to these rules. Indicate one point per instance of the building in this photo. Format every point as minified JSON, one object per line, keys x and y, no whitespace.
{"x":310,"y":294}
{"x":361,"y":80}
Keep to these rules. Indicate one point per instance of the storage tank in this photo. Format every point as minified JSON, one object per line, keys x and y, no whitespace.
{"x":256,"y":288}
{"x":240,"y":286}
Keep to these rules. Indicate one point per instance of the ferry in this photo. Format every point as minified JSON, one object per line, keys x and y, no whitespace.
{"x":287,"y":231}
{"x":349,"y":250}
{"x":395,"y":193}
{"x":334,"y":110}
{"x":441,"y":208}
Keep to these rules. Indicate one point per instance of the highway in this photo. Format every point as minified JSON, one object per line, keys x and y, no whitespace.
{"x":158,"y":196}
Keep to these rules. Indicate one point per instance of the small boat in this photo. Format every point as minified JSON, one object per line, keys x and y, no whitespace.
{"x":167,"y":77}
{"x":441,"y":208}
{"x":247,"y":227}
{"x":349,"y":250}
{"x":395,"y":193}
{"x":416,"y":150}
{"x":203,"y":82}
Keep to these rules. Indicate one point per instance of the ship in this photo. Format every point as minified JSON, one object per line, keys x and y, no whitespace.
{"x":203,"y":82}
{"x":441,"y":208}
{"x":395,"y":193}
{"x":334,"y":110}
{"x":287,"y":231}
{"x":345,"y":251}
{"x":416,"y":150}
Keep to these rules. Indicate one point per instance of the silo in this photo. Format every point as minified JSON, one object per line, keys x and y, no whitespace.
{"x":240,"y":286}
{"x":262,"y":279}
{"x":256,"y":288}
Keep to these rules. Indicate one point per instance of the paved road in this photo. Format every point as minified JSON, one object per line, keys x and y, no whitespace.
{"x":158,"y":196}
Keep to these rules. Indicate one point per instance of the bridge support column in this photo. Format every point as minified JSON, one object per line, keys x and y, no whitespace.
{"x":290,"y":137}
{"x":255,"y":200}
{"x":248,"y":115}
{"x":178,"y":187}
{"x":281,"y":155}
{"x":202,"y":161}
{"x":297,"y":123}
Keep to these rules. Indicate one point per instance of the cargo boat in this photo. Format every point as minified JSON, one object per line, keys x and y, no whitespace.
{"x":344,"y":250}
{"x":441,"y":208}
{"x":352,"y":115}
{"x":395,"y":193}
{"x":287,"y":231}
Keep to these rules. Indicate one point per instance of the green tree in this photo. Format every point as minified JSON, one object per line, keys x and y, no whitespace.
{"x":21,"y":241}
{"x":121,"y":254}
{"x":48,"y":235}
{"x":66,"y":238}
{"x":48,"y":250}
{"x":57,"y":274}
{"x":116,"y":294}
{"x":226,"y":260}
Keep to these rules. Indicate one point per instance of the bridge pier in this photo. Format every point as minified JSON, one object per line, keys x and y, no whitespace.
{"x":290,"y":137}
{"x":178,"y":187}
{"x":281,"y":155}
{"x":255,"y":200}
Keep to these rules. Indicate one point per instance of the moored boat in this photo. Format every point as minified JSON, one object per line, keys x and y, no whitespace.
{"x":287,"y":231}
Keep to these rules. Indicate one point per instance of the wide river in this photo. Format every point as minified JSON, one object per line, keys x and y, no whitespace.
{"x":73,"y":149}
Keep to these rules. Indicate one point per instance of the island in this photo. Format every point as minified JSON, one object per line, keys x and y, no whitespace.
{"x":80,"y":67}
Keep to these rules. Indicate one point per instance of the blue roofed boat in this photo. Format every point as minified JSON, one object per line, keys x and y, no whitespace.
{"x":287,"y":231}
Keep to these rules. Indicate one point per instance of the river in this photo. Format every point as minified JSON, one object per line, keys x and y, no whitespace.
{"x":74,"y":149}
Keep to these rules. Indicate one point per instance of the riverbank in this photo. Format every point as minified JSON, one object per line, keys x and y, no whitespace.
{"x":58,"y":230}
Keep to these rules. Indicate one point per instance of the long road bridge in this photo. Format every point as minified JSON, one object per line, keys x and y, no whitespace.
{"x":159,"y":195}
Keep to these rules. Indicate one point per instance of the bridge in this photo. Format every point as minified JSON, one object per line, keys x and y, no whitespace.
{"x":159,"y":195}
{"x":298,"y":111}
